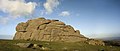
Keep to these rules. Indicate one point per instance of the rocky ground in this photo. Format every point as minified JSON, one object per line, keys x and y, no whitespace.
{"x":15,"y":45}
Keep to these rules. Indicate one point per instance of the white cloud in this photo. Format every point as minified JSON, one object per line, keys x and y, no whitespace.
{"x":17,"y":7}
{"x":50,"y":5}
{"x":4,"y":20}
{"x":64,"y":13}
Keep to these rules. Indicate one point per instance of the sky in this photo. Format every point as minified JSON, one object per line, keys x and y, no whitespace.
{"x":94,"y":18}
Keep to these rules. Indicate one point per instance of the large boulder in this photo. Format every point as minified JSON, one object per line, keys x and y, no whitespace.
{"x":25,"y":45}
{"x":29,"y":45}
{"x":42,"y":29}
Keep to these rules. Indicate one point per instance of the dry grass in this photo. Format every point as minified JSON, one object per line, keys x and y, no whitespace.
{"x":8,"y":45}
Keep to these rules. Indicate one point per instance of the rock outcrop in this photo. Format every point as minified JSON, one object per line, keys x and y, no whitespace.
{"x":25,"y":45}
{"x":42,"y":29}
{"x":95,"y":42}
{"x":30,"y":45}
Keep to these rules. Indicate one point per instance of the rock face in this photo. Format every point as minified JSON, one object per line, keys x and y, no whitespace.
{"x":42,"y":29}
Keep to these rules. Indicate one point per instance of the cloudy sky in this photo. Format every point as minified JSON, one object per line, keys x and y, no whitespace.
{"x":94,"y":18}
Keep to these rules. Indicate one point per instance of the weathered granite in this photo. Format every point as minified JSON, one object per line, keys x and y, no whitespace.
{"x":42,"y":29}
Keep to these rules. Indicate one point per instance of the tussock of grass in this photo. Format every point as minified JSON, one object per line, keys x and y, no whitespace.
{"x":8,"y":45}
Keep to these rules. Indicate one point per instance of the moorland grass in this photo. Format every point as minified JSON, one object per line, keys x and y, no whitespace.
{"x":9,"y":45}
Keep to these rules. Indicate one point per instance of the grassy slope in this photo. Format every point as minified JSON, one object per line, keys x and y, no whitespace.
{"x":8,"y":45}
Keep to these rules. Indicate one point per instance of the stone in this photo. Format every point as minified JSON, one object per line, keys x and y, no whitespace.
{"x":19,"y":35}
{"x":42,"y":29}
{"x":21,"y":27}
{"x":46,"y":21}
{"x":45,"y":48}
{"x":35,"y":46}
{"x":29,"y":45}
{"x":58,"y":23}
{"x":41,"y":18}
{"x":78,"y":33}
{"x":34,"y":35}
{"x":25,"y":45}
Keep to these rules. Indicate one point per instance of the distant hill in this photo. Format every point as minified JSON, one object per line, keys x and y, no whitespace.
{"x":112,"y":38}
{"x":6,"y":36}
{"x":109,"y":38}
